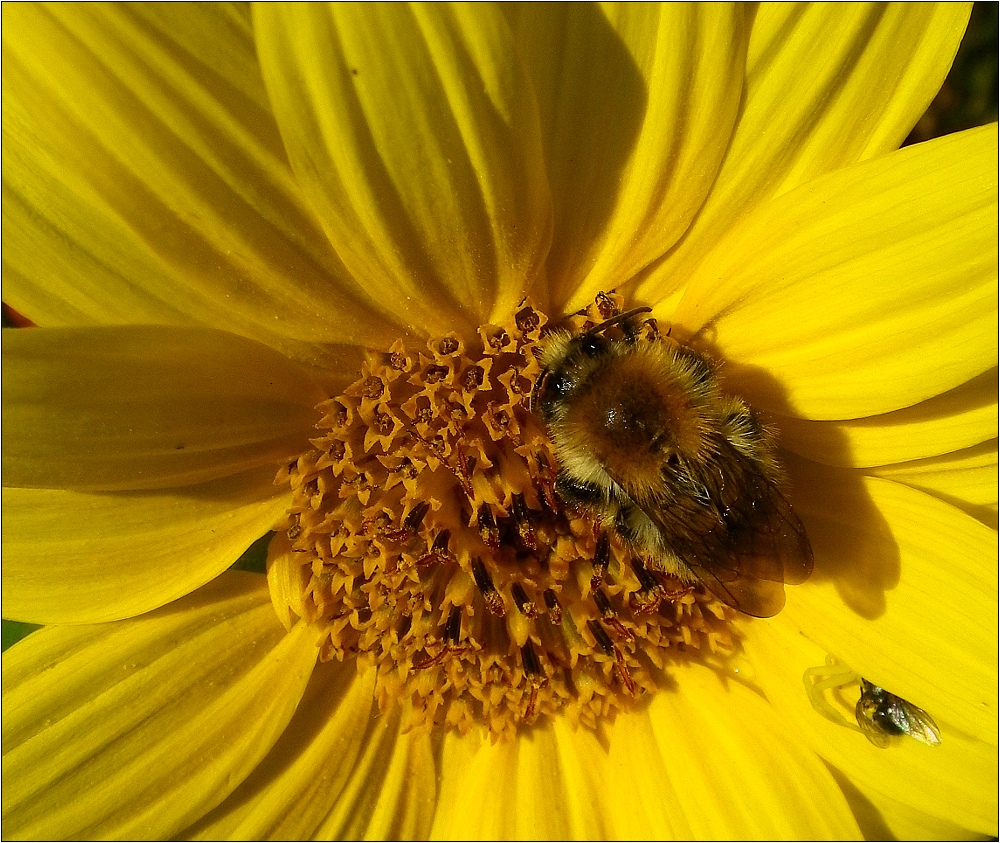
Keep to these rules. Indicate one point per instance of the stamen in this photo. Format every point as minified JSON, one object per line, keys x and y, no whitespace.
{"x":488,"y":527}
{"x":486,"y":587}
{"x":602,"y":558}
{"x":416,"y":517}
{"x":453,"y":628}
{"x":524,"y":605}
{"x":523,"y":519}
{"x":553,"y":607}
{"x":601,"y":637}
{"x":439,"y":550}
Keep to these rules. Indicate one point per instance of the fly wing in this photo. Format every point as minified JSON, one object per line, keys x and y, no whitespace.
{"x":738,"y":535}
{"x":913,"y":721}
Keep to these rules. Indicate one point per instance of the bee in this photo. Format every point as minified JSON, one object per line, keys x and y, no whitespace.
{"x":686,"y":475}
{"x":882,"y":716}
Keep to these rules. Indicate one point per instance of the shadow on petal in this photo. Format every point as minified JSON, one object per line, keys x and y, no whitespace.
{"x":852,"y":544}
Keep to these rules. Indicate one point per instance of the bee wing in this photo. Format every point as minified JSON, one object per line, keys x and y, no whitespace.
{"x":742,"y":540}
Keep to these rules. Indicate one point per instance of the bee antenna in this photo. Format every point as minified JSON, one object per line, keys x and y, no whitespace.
{"x":621,"y":317}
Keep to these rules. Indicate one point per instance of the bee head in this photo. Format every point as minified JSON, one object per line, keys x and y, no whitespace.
{"x":568,"y":361}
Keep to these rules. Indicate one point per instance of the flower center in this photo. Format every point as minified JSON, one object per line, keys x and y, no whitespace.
{"x":429,"y":542}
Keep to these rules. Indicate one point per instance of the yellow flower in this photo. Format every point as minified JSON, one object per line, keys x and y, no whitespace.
{"x":211,"y":212}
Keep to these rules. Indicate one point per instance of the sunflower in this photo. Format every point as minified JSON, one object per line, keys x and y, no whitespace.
{"x":321,"y":243}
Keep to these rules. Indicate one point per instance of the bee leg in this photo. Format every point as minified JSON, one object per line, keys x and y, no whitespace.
{"x":574,"y":491}
{"x":630,"y":331}
{"x":635,"y":527}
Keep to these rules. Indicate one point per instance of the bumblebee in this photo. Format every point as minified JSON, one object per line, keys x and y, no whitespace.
{"x":651,"y":446}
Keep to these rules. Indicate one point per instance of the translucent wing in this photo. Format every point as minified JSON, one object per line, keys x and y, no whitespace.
{"x":882,"y":716}
{"x":735,"y":531}
{"x":912,"y":720}
{"x":871,"y":730}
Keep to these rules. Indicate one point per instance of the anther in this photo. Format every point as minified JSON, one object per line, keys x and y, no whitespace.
{"x":373,"y":388}
{"x":432,"y":661}
{"x":439,"y":550}
{"x":524,"y":605}
{"x":602,"y":558}
{"x":536,"y":678}
{"x":646,"y":580}
{"x":609,"y":614}
{"x":553,"y":607}
{"x":605,"y":306}
{"x":411,"y":523}
{"x":485,"y":584}
{"x":453,"y":628}
{"x":609,"y":649}
{"x":499,"y":339}
{"x":601,"y":599}
{"x":532,"y":666}
{"x":415,"y":516}
{"x":452,"y":631}
{"x":435,"y":374}
{"x":488,"y":527}
{"x":527,"y":321}
{"x":472,"y":378}
{"x":529,"y":711}
{"x":466,"y":465}
{"x":337,"y":415}
{"x":522,"y":518}
{"x":382,"y":422}
{"x":601,"y":637}
{"x":448,"y":345}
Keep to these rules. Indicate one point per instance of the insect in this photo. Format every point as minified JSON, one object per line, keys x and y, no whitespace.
{"x":882,"y":716}
{"x":647,"y":441}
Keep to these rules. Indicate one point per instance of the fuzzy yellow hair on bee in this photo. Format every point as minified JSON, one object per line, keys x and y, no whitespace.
{"x":647,"y":440}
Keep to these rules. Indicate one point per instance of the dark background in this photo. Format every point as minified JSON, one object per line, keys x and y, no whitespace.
{"x":969,"y":95}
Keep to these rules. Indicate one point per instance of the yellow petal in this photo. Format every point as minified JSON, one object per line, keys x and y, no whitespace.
{"x":287,"y":580}
{"x":137,"y":728}
{"x":316,"y":764}
{"x":827,"y":85}
{"x":548,"y":784}
{"x":690,"y":764}
{"x":954,"y":782}
{"x":904,"y":590}
{"x":966,"y":479}
{"x":960,"y":418}
{"x":711,"y":760}
{"x":636,"y":103}
{"x":414,"y":134}
{"x":148,"y":407}
{"x":82,"y":557}
{"x":909,"y":823}
{"x":863,"y":291}
{"x":390,"y":793}
{"x":145,"y":181}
